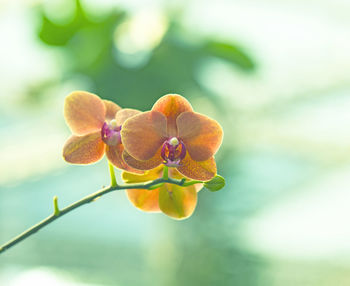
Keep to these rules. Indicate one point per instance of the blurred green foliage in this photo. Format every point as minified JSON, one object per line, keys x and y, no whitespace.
{"x":90,"y":51}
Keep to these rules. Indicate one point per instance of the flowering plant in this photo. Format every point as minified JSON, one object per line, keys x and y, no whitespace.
{"x":166,"y":154}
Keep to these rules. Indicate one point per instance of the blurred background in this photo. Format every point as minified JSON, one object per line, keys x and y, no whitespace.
{"x":275,"y":74}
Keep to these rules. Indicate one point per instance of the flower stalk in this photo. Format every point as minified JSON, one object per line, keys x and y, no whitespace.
{"x":88,"y":199}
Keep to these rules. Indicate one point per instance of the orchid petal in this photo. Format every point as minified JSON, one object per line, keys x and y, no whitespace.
{"x":124,"y":114}
{"x":155,"y":161}
{"x":145,"y":200}
{"x":85,"y":149}
{"x":143,"y":134}
{"x":172,"y":105}
{"x":202,"y":136}
{"x":177,"y":202}
{"x":84,"y":112}
{"x":204,"y":170}
{"x":111,"y":109}
{"x":149,"y":175}
{"x":114,"y":155}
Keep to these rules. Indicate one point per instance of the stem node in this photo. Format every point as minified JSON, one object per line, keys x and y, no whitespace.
{"x":112,"y":174}
{"x":55,"y":206}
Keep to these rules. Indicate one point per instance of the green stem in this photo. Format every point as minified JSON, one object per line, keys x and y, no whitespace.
{"x":88,"y":199}
{"x":190,"y":183}
{"x":112,"y":175}
{"x":165,"y":173}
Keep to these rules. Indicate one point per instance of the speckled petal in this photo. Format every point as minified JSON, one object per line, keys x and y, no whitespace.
{"x":111,"y":109}
{"x":155,"y":161}
{"x":202,"y":135}
{"x":172,"y":105}
{"x":114,"y":155}
{"x":177,"y":202}
{"x":84,"y":112}
{"x":85,"y":149}
{"x":203,"y":171}
{"x":143,"y":134}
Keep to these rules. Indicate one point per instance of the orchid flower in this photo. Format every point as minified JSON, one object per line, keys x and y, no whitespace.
{"x":96,"y":125}
{"x":174,"y":135}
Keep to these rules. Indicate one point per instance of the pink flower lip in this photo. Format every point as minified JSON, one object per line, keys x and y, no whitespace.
{"x":110,"y":133}
{"x":173,"y":151}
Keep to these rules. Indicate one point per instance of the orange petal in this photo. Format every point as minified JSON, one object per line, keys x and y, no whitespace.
{"x":203,"y":171}
{"x":155,"y":161}
{"x":124,"y":114}
{"x":143,"y":134}
{"x":111,"y":109}
{"x":172,"y":105}
{"x":177,"y":202}
{"x":145,"y":200}
{"x":202,"y":136}
{"x":85,"y":149}
{"x":114,"y":155}
{"x":175,"y":174}
{"x":149,"y":175}
{"x":84,"y":112}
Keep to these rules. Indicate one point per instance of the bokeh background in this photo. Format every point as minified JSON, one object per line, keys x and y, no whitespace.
{"x":275,"y":74}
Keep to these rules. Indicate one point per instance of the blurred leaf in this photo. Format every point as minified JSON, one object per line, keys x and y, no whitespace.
{"x":171,"y":67}
{"x":58,"y":35}
{"x":229,"y":52}
{"x":215,"y":184}
{"x":55,"y":34}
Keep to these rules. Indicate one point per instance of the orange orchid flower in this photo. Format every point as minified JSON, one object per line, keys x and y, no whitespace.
{"x":173,"y":200}
{"x":96,"y":125}
{"x":172,"y":134}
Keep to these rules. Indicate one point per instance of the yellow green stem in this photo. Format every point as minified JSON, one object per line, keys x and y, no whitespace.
{"x":166,"y":173}
{"x":88,"y":199}
{"x":112,"y":175}
{"x":56,"y":210}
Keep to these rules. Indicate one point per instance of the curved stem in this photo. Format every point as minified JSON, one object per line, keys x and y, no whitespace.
{"x":88,"y":199}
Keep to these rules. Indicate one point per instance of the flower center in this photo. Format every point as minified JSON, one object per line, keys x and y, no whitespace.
{"x":110,"y":133}
{"x":173,"y":151}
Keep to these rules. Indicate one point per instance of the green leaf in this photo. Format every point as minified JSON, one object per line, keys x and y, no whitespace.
{"x":215,"y":184}
{"x":230,"y":53}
